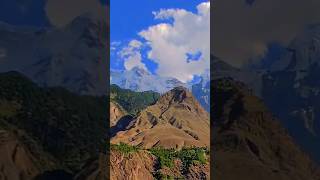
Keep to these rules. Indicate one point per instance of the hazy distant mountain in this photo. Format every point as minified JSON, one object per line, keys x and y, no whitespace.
{"x":138,"y":79}
{"x":221,"y":69}
{"x":73,"y":57}
{"x":302,"y":52}
{"x":291,"y":89}
{"x":201,"y":90}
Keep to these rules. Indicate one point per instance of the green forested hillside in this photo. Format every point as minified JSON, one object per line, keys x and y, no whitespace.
{"x":132,"y":102}
{"x":69,"y":127}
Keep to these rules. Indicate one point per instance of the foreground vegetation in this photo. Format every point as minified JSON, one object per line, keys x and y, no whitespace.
{"x":166,"y":157}
{"x":124,"y":148}
{"x":188,"y":156}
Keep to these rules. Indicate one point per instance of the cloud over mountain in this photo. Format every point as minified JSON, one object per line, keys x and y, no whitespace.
{"x":132,"y":56}
{"x":62,"y":12}
{"x":242,"y":30}
{"x":171,"y":42}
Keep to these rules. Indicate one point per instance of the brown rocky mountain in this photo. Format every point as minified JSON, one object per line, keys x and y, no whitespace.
{"x":249,"y":143}
{"x":176,"y":120}
{"x":116,"y":112}
{"x":138,"y":166}
{"x":20,"y":161}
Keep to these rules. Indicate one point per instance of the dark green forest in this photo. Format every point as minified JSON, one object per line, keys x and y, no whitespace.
{"x":132,"y":102}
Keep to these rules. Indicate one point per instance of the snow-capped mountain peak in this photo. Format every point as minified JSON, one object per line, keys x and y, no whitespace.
{"x":138,"y":79}
{"x":72,"y":57}
{"x":140,"y":72}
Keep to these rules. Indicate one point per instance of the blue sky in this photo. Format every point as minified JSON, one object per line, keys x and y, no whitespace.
{"x":30,"y":12}
{"x":26,"y":13}
{"x":128,"y":19}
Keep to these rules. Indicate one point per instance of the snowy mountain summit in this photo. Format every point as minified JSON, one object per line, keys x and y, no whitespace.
{"x":138,"y":79}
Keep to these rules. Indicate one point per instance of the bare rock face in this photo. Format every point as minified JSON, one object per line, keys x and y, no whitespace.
{"x":177,"y":120}
{"x":199,"y":172}
{"x":16,"y":161}
{"x":135,"y":166}
{"x":116,"y":112}
{"x":250,"y":143}
{"x":94,"y":170}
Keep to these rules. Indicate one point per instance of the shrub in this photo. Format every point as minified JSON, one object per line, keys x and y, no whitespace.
{"x":124,"y":148}
{"x":159,"y":176}
{"x":190,"y":156}
{"x":165,"y":156}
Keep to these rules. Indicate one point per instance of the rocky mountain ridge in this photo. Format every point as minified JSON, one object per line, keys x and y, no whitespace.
{"x":250,"y":142}
{"x":176,"y":113}
{"x":73,"y":57}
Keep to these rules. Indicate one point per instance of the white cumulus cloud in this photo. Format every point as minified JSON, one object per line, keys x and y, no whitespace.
{"x":189,"y":33}
{"x":132,"y":55}
{"x":135,"y":44}
{"x":242,"y":32}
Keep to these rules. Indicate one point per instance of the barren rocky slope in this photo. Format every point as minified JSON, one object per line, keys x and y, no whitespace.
{"x":157,"y":142}
{"x":249,"y":143}
{"x":144,"y":164}
{"x":116,"y":112}
{"x":176,"y":120}
{"x":17,"y":162}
